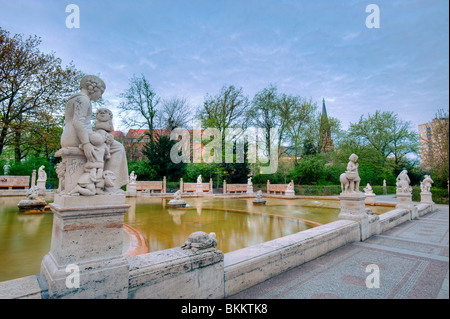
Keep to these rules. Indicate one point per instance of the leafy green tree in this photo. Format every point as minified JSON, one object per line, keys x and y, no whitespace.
{"x":387,"y":135}
{"x":302,"y":119}
{"x":142,"y":169}
{"x":33,"y":85}
{"x":309,"y":171}
{"x":226,"y":110}
{"x":158,"y":158}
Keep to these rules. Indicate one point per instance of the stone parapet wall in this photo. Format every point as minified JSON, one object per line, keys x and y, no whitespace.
{"x":249,"y":266}
{"x":177,"y":273}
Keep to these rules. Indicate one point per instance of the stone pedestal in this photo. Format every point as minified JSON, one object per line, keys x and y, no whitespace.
{"x":353,"y":208}
{"x":87,"y":237}
{"x":404,"y":201}
{"x":426,"y":198}
{"x":199,"y":189}
{"x":290,"y":193}
{"x":41,"y":184}
{"x":249,"y":189}
{"x":177,"y":203}
{"x":131,"y":189}
{"x":371,"y":199}
{"x":33,"y":178}
{"x":259,"y":201}
{"x":32,"y":204}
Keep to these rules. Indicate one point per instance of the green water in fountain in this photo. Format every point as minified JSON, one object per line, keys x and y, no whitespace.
{"x":25,"y":238}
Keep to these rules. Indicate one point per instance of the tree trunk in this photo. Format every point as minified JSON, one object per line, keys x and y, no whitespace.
{"x":17,"y":150}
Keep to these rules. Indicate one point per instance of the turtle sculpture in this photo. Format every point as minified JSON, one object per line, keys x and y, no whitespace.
{"x":200,"y":240}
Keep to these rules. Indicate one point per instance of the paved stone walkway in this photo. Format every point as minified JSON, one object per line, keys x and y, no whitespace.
{"x":412,"y":261}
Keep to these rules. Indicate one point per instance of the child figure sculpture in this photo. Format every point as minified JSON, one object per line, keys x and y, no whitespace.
{"x":350,"y":179}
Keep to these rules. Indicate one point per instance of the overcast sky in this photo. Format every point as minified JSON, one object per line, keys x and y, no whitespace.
{"x":316,"y":49}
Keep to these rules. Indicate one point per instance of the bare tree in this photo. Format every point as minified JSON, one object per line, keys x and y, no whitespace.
{"x":140,"y":105}
{"x":226,"y":110}
{"x":176,"y":112}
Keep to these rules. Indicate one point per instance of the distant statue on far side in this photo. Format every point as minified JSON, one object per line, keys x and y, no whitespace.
{"x":133,"y":178}
{"x":368,"y":189}
{"x":42,"y":175}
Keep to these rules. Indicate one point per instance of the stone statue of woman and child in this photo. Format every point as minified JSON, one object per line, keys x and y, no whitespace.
{"x":93,"y":162}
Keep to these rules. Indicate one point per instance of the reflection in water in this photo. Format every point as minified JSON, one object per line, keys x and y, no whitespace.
{"x":25,"y":239}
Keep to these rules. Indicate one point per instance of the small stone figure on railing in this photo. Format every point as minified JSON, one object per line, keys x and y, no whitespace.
{"x":350,"y":179}
{"x":425,"y":185}
{"x":403,"y":182}
{"x":199,"y":241}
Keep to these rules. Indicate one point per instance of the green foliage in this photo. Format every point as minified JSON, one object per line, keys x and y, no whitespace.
{"x":33,"y":88}
{"x":158,"y":156}
{"x":331,"y":174}
{"x":440,"y":179}
{"x":236,"y":173}
{"x":25,"y":168}
{"x":440,"y":195}
{"x":310,"y":170}
{"x":193,"y":170}
{"x":263,"y":178}
{"x":318,"y":190}
{"x":143,"y":170}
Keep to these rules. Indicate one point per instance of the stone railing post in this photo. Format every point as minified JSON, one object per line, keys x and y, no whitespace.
{"x":33,"y":178}
{"x":164,"y":184}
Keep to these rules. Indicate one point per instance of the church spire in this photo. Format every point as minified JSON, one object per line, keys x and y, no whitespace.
{"x":324,"y":109}
{"x":325,"y":141}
